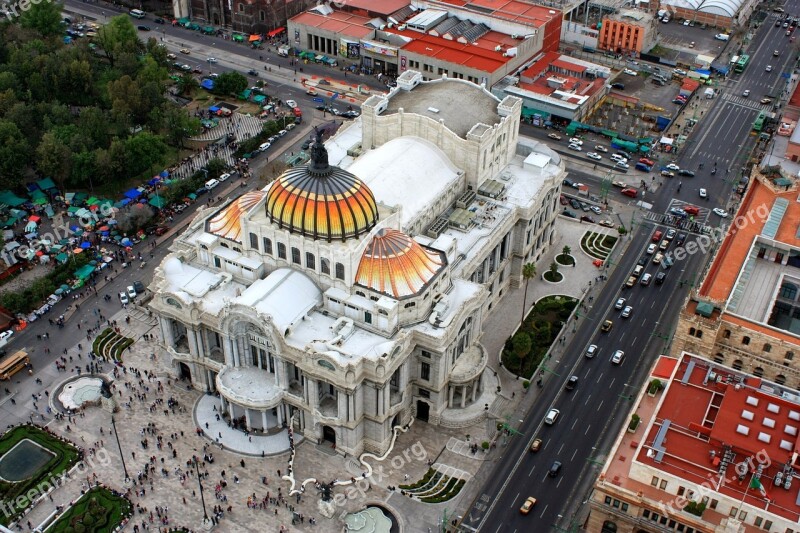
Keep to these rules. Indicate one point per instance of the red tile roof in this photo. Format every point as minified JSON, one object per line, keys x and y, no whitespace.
{"x":514,"y":10}
{"x":345,"y":24}
{"x":705,"y":418}
{"x":384,"y":7}
{"x":479,"y":55}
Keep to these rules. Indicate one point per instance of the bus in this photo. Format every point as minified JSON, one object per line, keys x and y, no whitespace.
{"x":758,"y":125}
{"x":742,"y":63}
{"x":13,"y":364}
{"x":137,"y":13}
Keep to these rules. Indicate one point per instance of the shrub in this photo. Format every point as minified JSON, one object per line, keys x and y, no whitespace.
{"x":621,"y":230}
{"x":655,"y":386}
{"x":634,"y":423}
{"x":485,"y":445}
{"x":525,"y":385}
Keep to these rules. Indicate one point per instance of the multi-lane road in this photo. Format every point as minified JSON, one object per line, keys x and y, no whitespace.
{"x":592,"y":414}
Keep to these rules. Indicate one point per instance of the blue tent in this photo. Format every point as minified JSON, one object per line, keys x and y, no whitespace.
{"x":154,"y":181}
{"x":133,"y":194}
{"x":213,"y":108}
{"x":86,"y":244}
{"x":164,"y":174}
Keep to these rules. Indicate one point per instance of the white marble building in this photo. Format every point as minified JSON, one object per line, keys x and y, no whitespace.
{"x":351,"y":293}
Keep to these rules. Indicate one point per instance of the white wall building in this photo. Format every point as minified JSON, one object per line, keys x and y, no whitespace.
{"x":351,"y":293}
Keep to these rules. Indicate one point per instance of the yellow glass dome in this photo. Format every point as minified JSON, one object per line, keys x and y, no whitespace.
{"x":321,"y":201}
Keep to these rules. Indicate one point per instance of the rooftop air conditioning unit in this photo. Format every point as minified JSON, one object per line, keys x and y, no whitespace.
{"x":498,"y":48}
{"x":401,"y":27}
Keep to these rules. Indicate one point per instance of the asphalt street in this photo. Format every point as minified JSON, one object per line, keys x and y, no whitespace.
{"x":593,"y":413}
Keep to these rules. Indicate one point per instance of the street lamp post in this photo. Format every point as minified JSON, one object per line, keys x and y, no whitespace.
{"x":121,"y":456}
{"x":207,"y":523}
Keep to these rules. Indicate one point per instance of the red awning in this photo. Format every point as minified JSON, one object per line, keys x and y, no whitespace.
{"x":254,"y":38}
{"x":275,"y":32}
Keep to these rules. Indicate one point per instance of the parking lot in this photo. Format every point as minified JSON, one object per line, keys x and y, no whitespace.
{"x":676,"y":40}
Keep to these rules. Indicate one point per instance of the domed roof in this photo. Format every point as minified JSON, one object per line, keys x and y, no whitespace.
{"x":397,"y":265}
{"x":228,"y":222}
{"x":321,"y":201}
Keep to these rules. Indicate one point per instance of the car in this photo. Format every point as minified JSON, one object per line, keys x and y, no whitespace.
{"x":720,"y":212}
{"x":264,"y":146}
{"x":648,"y":162}
{"x":291,"y":103}
{"x":568,"y":213}
{"x":253,"y":72}
{"x":677,"y":211}
{"x":554,"y":136}
{"x":569,"y":183}
{"x":692,"y":209}
{"x":555,"y":468}
{"x":138,"y":286}
{"x":197,"y":70}
{"x":607,"y":223}
{"x":584,"y":206}
{"x":347,"y":114}
{"x":768,"y":68}
{"x":527,"y":505}
{"x":671,"y":234}
{"x":577,"y":141}
{"x":282,"y":133}
{"x":657,"y":258}
{"x":673,"y":166}
{"x":626,"y":313}
{"x":617,"y":358}
{"x":224,"y":177}
{"x":680,"y":239}
{"x":667,"y":174}
{"x":172,"y":56}
{"x":572,"y":382}
{"x":211,"y":59}
{"x":620,"y":303}
{"x":618,"y":157}
{"x":210,"y":184}
{"x":308,"y":142}
{"x":213,"y":75}
{"x":123,"y":298}
{"x":333,"y":111}
{"x":664,"y":244}
{"x":573,"y":146}
{"x":656,"y":236}
{"x":629,"y":72}
{"x":272,"y":139}
{"x":746,"y":93}
{"x":588,"y":219}
{"x":591,"y":351}
{"x":660,"y":277}
{"x":642,"y":262}
{"x":607,"y":325}
{"x":594,"y":155}
{"x":161,"y":230}
{"x":778,"y":23}
{"x":645,"y":281}
{"x":596,"y":210}
{"x":6,"y":334}
{"x":622,"y":164}
{"x":159,"y":20}
{"x":686,"y":22}
{"x":562,"y":199}
{"x":131,"y":292}
{"x":187,"y":68}
{"x":651,"y":248}
{"x":776,"y":53}
{"x":618,"y":86}
{"x":703,"y":193}
{"x":778,"y":9}
{"x":552,"y":416}
{"x":180,"y":208}
{"x":765,"y":101}
{"x":685,"y":172}
{"x":630,"y":191}
{"x":143,"y":28}
{"x":536,"y":445}
{"x":185,"y":51}
{"x":601,"y":148}
{"x":575,"y":204}
{"x":679,"y":72}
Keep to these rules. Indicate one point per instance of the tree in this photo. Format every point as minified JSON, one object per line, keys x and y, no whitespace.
{"x":528,"y":272}
{"x":566,"y":250}
{"x":134,"y":217}
{"x":44,"y":17}
{"x":117,"y":37}
{"x":522,"y":345}
{"x":178,"y":125}
{"x":187,"y":84}
{"x":553,"y":271}
{"x":14,"y":153}
{"x":53,"y":158}
{"x":230,"y":83}
{"x":142,"y":152}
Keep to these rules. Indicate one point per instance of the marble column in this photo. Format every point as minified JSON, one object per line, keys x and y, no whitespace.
{"x":230,"y":411}
{"x":451,"y":390}
{"x":264,"y":420}
{"x":230,"y":360}
{"x":191,"y":337}
{"x":474,"y":389}
{"x":279,"y":411}
{"x":198,"y":341}
{"x":463,"y":395}
{"x":341,"y":404}
{"x":247,"y":418}
{"x":166,"y":328}
{"x":221,"y":404}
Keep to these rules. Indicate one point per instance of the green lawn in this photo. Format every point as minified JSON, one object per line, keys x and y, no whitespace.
{"x":97,"y":511}
{"x":66,"y":455}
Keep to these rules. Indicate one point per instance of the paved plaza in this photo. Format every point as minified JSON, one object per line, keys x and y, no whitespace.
{"x":178,"y":423}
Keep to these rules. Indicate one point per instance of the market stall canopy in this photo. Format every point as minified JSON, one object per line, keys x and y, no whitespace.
{"x":158,"y":202}
{"x":276,"y":31}
{"x":11,"y":199}
{"x":133,"y":194}
{"x":46,"y":184}
{"x":254,"y":38}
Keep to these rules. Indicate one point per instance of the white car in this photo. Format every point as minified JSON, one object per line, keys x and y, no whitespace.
{"x":225,"y":176}
{"x":720,"y":212}
{"x":746,"y":93}
{"x":626,"y":313}
{"x":577,"y":141}
{"x":600,"y":148}
{"x":673,"y":166}
{"x":594,"y":155}
{"x":131,"y":292}
{"x":630,"y":72}
{"x":703,"y":193}
{"x":769,"y":68}
{"x":574,"y":146}
{"x":552,"y":416}
{"x":596,"y":210}
{"x":123,"y":298}
{"x":679,"y":72}
{"x":210,"y":184}
{"x":212,"y":59}
{"x":620,"y":303}
{"x":291,"y":103}
{"x":263,"y":147}
{"x":282,"y":133}
{"x":651,"y":248}
{"x":658,"y":258}
{"x":591,"y":351}
{"x":6,"y":334}
{"x":617,"y":358}
{"x":622,"y":164}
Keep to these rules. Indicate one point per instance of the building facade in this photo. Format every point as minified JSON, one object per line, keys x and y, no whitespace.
{"x":349,"y":296}
{"x":629,"y":33}
{"x":259,"y":16}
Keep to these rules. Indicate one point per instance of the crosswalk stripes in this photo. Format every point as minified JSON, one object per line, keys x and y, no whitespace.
{"x":744,"y":102}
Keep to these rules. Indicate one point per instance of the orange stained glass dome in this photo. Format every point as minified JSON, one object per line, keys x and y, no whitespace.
{"x":321,"y":201}
{"x":397,"y":265}
{"x":227,"y":223}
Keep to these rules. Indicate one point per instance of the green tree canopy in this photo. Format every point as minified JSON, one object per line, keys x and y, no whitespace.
{"x":44,"y":17}
{"x":230,"y":83}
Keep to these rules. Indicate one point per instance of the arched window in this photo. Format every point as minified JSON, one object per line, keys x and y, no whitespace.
{"x":738,"y":364}
{"x":726,"y":334}
{"x":295,"y":255}
{"x":311,"y":263}
{"x":746,"y":340}
{"x":789,"y":356}
{"x":691,"y":332}
{"x":609,"y":527}
{"x":325,"y":266}
{"x":339,"y":271}
{"x":780,"y":379}
{"x":262,"y":16}
{"x":253,"y":241}
{"x":267,"y":246}
{"x":719,"y":358}
{"x":788,"y":290}
{"x":767,"y":347}
{"x":281,"y":251}
{"x":699,"y":333}
{"x":758,"y":372}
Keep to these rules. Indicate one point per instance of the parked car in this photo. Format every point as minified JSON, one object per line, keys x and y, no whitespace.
{"x":601,"y":148}
{"x":720,"y":212}
{"x":629,"y":72}
{"x":210,"y":184}
{"x":685,"y":172}
{"x":554,"y":136}
{"x":576,"y":140}
{"x":143,"y":28}
{"x":586,"y":218}
{"x":264,"y":146}
{"x":568,"y":213}
{"x":131,"y":292}
{"x":594,"y":155}
{"x":692,"y":209}
{"x":677,"y":211}
{"x":746,"y":93}
{"x":185,"y":51}
{"x":618,"y":86}
{"x":224,"y":177}
{"x":606,"y":223}
{"x":123,"y":298}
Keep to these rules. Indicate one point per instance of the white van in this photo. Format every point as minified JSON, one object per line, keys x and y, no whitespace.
{"x":137,"y":13}
{"x":722,"y":37}
{"x":210,"y":184}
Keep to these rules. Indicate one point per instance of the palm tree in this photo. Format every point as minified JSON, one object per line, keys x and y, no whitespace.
{"x":553,"y":271}
{"x":566,"y":250}
{"x":186,"y":84}
{"x":528,"y":272}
